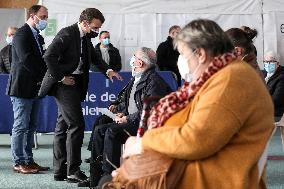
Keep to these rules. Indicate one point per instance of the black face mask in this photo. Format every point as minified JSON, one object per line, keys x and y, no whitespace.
{"x":92,"y":34}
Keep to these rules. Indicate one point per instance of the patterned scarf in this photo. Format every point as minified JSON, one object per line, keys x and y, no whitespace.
{"x":176,"y":101}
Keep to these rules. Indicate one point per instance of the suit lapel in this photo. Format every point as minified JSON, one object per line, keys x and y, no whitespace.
{"x":35,"y":45}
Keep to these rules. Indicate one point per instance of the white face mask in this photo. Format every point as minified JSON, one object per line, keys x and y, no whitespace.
{"x":134,"y":73}
{"x":9,"y":39}
{"x":184,"y":69}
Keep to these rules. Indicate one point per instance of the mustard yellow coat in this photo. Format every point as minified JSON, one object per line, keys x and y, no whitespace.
{"x":222,"y":133}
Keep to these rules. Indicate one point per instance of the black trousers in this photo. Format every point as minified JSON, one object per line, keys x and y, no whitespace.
{"x":69,"y":131}
{"x":103,"y":119}
{"x":107,"y":142}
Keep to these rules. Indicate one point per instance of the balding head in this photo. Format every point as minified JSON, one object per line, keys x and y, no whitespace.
{"x":11,"y":31}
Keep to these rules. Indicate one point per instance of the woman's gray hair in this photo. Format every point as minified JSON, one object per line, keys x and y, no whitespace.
{"x":148,"y":56}
{"x":206,"y":34}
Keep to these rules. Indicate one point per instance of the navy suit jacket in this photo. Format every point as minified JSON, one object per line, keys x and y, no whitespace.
{"x":28,"y":66}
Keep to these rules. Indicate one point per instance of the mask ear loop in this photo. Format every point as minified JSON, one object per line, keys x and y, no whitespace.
{"x":244,"y":57}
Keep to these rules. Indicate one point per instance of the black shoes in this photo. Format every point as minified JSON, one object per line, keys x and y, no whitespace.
{"x":60,"y":177}
{"x":85,"y":183}
{"x":78,"y":176}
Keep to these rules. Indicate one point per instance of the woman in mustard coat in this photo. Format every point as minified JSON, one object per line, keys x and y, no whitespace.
{"x":215,"y":121}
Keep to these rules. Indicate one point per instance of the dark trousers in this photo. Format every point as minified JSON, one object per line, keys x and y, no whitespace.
{"x":103,"y":119}
{"x":107,"y":142}
{"x":69,"y":131}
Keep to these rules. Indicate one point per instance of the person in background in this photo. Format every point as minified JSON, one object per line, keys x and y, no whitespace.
{"x":108,"y":137}
{"x":27,"y":71}
{"x":68,"y":59}
{"x":242,"y":39}
{"x":106,"y":53}
{"x":167,"y":56}
{"x":6,"y":52}
{"x":275,"y":82}
{"x":214,"y":122}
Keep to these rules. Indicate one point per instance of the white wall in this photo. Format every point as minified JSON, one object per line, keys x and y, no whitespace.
{"x":136,"y":23}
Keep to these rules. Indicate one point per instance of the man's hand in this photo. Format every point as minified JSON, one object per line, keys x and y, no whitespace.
{"x":112,"y":108}
{"x":119,"y":115}
{"x":120,"y":120}
{"x":133,"y":146}
{"x":68,"y":80}
{"x":112,"y":74}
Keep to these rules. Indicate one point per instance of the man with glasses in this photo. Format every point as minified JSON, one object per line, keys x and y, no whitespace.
{"x":6,"y":52}
{"x":68,"y":60}
{"x":108,"y":137}
{"x":275,"y":82}
{"x":27,"y":71}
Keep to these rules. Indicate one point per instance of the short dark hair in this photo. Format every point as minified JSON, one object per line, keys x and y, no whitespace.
{"x":34,"y":9}
{"x":102,"y":33}
{"x":242,"y":38}
{"x":174,"y":27}
{"x":90,"y":13}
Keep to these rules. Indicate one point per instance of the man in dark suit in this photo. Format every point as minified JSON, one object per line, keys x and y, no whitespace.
{"x":6,"y":52}
{"x":26,"y":74}
{"x":111,"y":134}
{"x":167,"y":56}
{"x":68,"y":60}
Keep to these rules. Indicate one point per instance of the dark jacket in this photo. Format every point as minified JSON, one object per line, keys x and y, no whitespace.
{"x":114,"y":58}
{"x":62,"y":58}
{"x":28,"y":66}
{"x":275,"y":86}
{"x":5,"y":59}
{"x":150,"y":84}
{"x":167,"y":57}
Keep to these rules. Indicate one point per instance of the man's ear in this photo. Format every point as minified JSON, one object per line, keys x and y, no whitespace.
{"x":202,"y":56}
{"x":239,"y":51}
{"x":140,"y":63}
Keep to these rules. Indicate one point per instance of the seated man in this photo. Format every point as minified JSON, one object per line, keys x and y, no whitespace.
{"x":106,"y":53}
{"x":275,"y":82}
{"x":114,"y":107}
{"x":107,"y":138}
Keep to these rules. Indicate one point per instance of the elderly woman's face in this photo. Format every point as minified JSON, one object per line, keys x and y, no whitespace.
{"x":189,"y":55}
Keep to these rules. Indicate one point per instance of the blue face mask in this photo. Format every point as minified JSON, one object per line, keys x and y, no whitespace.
{"x":105,"y":41}
{"x":270,"y":67}
{"x":41,"y":25}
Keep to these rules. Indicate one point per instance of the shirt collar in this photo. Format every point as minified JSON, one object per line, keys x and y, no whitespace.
{"x":80,"y":30}
{"x":33,"y":29}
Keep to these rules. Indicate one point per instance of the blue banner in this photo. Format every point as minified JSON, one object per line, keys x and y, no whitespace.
{"x":100,"y":94}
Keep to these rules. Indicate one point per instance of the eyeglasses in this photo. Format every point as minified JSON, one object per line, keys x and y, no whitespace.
{"x":269,"y":61}
{"x":138,"y":58}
